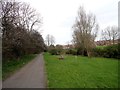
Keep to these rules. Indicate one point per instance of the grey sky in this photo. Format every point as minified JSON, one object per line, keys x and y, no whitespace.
{"x":59,"y":15}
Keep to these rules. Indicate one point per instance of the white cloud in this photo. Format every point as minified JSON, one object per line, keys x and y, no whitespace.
{"x":59,"y":15}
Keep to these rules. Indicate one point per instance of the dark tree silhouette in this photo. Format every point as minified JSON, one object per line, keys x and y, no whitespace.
{"x":19,"y":33}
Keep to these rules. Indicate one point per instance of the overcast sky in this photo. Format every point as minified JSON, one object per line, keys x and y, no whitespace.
{"x":59,"y":15}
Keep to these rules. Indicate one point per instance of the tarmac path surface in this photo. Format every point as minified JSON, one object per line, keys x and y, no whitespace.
{"x":31,"y":75}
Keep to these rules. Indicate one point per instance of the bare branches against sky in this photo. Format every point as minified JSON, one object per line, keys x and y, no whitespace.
{"x":59,"y":15}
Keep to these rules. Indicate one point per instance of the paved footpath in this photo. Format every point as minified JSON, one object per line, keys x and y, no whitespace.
{"x":31,"y":75}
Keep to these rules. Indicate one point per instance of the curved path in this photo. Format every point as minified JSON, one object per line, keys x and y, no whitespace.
{"x":31,"y":75}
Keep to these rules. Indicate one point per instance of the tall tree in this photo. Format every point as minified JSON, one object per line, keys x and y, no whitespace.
{"x":18,"y":24}
{"x":85,"y":30}
{"x":50,"y":40}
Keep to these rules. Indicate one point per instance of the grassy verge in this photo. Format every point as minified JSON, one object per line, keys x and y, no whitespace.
{"x":81,"y":72}
{"x":11,"y":66}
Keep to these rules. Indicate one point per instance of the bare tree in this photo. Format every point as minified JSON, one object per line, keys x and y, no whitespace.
{"x":29,"y":18}
{"x":110,"y":33}
{"x":85,"y":30}
{"x":50,"y":40}
{"x":18,"y":24}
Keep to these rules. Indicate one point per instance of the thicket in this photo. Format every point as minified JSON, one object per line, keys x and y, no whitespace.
{"x":71,"y":51}
{"x":19,"y":34}
{"x":55,"y":50}
{"x":112,"y":51}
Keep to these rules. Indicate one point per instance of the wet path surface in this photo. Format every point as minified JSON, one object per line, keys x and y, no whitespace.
{"x":31,"y":75}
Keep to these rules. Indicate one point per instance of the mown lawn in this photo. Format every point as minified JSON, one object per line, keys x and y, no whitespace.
{"x":81,"y":72}
{"x":11,"y":66}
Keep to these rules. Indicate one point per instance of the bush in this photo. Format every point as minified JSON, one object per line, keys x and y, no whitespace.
{"x":71,"y":51}
{"x":53,"y":52}
{"x":81,"y":51}
{"x":98,"y":52}
{"x":112,"y":51}
{"x":108,"y":51}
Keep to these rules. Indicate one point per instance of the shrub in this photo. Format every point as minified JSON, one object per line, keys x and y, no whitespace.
{"x":98,"y":52}
{"x":71,"y":51}
{"x":111,"y":51}
{"x":81,"y":51}
{"x":53,"y":52}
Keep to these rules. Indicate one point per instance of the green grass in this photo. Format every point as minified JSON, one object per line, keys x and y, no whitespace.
{"x":9,"y":67}
{"x":81,"y":72}
{"x":101,"y":47}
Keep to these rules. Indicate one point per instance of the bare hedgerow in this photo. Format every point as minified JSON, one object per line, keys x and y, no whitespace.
{"x":19,"y":24}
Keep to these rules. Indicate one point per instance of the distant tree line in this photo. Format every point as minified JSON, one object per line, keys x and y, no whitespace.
{"x":111,"y":34}
{"x":19,"y":24}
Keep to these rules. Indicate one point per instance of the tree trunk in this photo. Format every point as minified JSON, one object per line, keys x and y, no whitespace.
{"x":89,"y":53}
